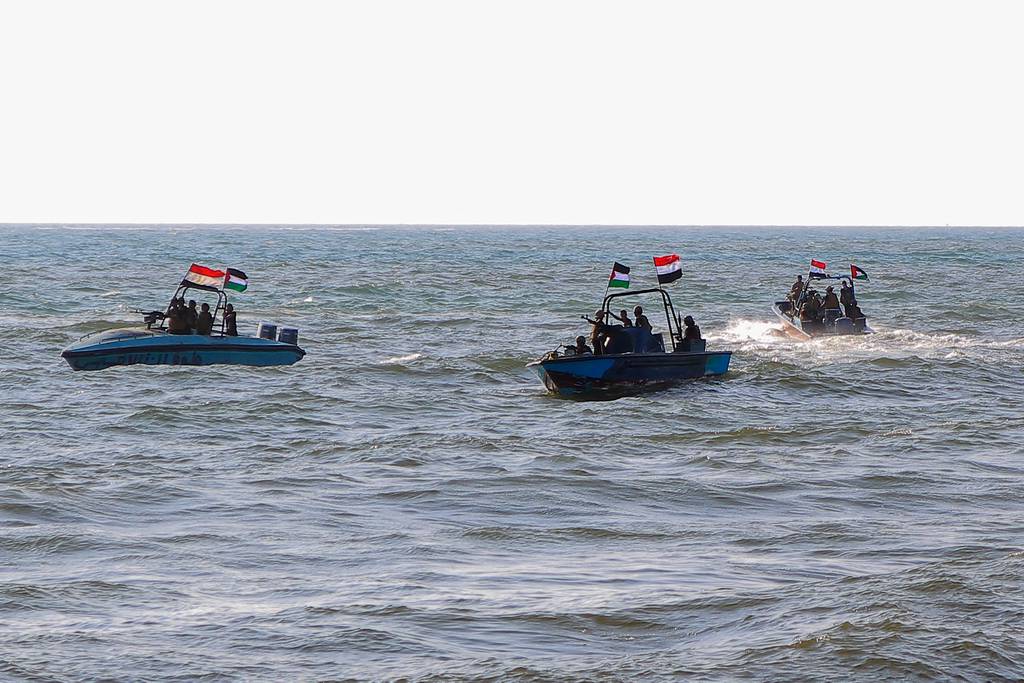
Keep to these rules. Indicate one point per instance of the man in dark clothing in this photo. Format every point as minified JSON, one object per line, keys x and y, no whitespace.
{"x":230,"y":321}
{"x":796,"y":290}
{"x":639,"y":319}
{"x":691,"y":332}
{"x":581,"y":347}
{"x":831,"y":301}
{"x":204,"y":321}
{"x":847,"y":299}
{"x":191,"y":314}
{"x":809,"y":310}
{"x":176,"y":323}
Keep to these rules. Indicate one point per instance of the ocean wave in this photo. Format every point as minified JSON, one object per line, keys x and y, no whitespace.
{"x":397,"y":360}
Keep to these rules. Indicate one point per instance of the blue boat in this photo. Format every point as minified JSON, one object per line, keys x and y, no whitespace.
{"x":635,"y":358}
{"x":146,"y":346}
{"x":155,"y":345}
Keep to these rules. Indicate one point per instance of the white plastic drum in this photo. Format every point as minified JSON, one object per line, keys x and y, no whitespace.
{"x":289,"y":335}
{"x":267,"y":330}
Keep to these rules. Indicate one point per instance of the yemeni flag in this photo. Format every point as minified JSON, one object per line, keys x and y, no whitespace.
{"x":668,"y":267}
{"x":202,"y":277}
{"x":817,"y":270}
{"x":857,"y":273}
{"x":620,"y":276}
{"x":236,"y":280}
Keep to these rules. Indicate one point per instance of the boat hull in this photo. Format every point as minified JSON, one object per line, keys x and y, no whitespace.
{"x":795,"y":328}
{"x":574,"y":375}
{"x":156,"y":347}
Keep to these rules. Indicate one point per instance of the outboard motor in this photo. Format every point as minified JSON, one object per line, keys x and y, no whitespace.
{"x":289,"y":335}
{"x":844,"y":326}
{"x":267,"y":331}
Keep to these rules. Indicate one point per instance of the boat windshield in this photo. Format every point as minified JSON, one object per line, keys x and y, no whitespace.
{"x":159,"y":322}
{"x":675,"y":325}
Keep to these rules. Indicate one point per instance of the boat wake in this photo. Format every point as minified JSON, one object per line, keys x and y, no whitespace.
{"x":744,"y":330}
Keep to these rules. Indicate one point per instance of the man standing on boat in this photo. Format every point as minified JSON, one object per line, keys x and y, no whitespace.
{"x":795,"y":291}
{"x":230,"y":321}
{"x":599,"y":331}
{"x":847,"y":299}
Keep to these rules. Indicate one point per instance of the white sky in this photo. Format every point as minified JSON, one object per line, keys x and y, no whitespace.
{"x":894,"y":112}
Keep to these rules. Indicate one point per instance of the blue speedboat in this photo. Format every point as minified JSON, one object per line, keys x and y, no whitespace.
{"x":154,"y":344}
{"x":635,"y":358}
{"x":144,"y":346}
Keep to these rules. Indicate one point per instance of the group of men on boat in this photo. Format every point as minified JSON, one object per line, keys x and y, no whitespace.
{"x":603,"y":332}
{"x":182,"y":319}
{"x":816,"y":309}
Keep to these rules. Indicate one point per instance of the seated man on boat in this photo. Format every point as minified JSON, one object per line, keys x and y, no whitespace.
{"x":204,"y":322}
{"x":580,"y":348}
{"x":830,"y":305}
{"x":639,"y":319}
{"x":177,"y":321}
{"x":809,"y":312}
{"x":622,"y":317}
{"x":690,"y":332}
{"x":191,"y":315}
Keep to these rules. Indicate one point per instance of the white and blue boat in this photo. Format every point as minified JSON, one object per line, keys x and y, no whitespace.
{"x":154,"y":344}
{"x":635,"y":358}
{"x":831,"y":323}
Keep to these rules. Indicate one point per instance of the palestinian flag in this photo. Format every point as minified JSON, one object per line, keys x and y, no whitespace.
{"x":236,"y":280}
{"x":668,"y":267}
{"x":620,"y":276}
{"x":857,"y":273}
{"x":817,"y":270}
{"x":202,"y":277}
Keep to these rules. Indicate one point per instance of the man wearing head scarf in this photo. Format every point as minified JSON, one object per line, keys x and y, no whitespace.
{"x":691,"y":332}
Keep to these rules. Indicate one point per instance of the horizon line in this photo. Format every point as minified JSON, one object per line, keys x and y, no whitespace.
{"x":6,"y":224}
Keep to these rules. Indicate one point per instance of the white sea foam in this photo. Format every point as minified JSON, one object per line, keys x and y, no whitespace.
{"x":401,"y":359}
{"x":750,"y":330}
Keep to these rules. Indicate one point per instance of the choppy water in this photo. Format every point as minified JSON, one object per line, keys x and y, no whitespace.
{"x":407,"y":502}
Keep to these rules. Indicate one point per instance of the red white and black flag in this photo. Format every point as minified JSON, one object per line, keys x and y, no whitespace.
{"x":817,"y":271}
{"x":668,"y":267}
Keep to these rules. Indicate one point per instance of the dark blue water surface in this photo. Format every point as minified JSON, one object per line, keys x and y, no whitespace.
{"x":408,"y":503}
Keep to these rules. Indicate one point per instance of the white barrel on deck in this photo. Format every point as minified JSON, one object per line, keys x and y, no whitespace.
{"x":267,"y":330}
{"x":288,"y":335}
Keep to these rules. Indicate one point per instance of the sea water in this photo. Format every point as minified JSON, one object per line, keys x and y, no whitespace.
{"x":408,"y":503}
